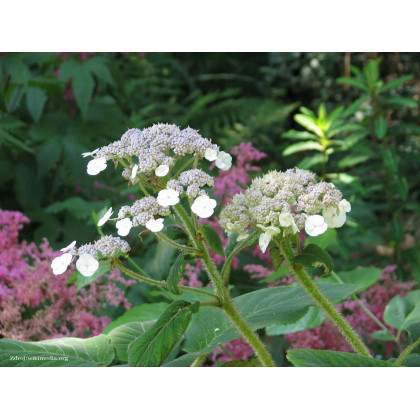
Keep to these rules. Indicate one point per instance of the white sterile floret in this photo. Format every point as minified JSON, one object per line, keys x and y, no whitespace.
{"x":203,"y":206}
{"x":68,"y":247}
{"x":59,"y":264}
{"x":242,"y":236}
{"x":334,"y":217}
{"x":134,"y":172}
{"x":168,"y":197}
{"x":264,"y":240}
{"x":86,"y":154}
{"x":286,"y":220}
{"x":96,"y":165}
{"x":162,"y":170}
{"x":87,"y":264}
{"x":124,"y":226}
{"x":271,"y":230}
{"x":344,"y":206}
{"x":315,"y":225}
{"x":105,"y":217}
{"x":224,"y":161}
{"x":211,"y":154}
{"x":155,"y":225}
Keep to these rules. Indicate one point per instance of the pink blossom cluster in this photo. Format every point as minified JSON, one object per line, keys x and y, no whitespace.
{"x":376,"y":298}
{"x":34,"y":303}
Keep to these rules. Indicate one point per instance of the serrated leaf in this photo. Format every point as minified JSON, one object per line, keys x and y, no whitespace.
{"x":213,"y":239}
{"x":313,"y":256}
{"x":276,"y":257}
{"x":35,"y":102}
{"x":254,"y":362}
{"x":313,"y":318}
{"x":381,"y":127}
{"x":175,"y":274}
{"x":121,"y":337}
{"x":144,"y":312}
{"x":277,"y":305}
{"x":328,"y":358}
{"x":152,"y":347}
{"x":95,"y":351}
{"x":300,"y":147}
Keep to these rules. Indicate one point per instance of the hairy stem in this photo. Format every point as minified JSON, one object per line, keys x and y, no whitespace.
{"x":175,"y":244}
{"x":309,"y":286}
{"x":198,"y":361}
{"x":407,"y":351}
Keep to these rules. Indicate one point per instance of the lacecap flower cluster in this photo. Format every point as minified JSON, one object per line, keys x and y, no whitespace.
{"x":149,"y":157}
{"x":283,"y":203}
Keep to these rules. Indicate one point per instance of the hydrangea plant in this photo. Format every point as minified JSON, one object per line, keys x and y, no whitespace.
{"x":171,"y":168}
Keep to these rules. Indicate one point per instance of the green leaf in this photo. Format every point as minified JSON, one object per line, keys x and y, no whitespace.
{"x":152,"y":347}
{"x":254,"y":362}
{"x":121,"y":337}
{"x":353,"y":82}
{"x":47,"y":156}
{"x":281,"y":272}
{"x":183,"y":361}
{"x":313,"y":256}
{"x":397,"y":311}
{"x":393,"y":84}
{"x":362,"y":278}
{"x":324,"y":240}
{"x":354,"y":106}
{"x":313,"y":318}
{"x":383,"y":335}
{"x":95,"y":351}
{"x":391,"y":162}
{"x":213,"y":239}
{"x":299,"y":135}
{"x":98,"y":66}
{"x":232,"y":243}
{"x":35,"y":102}
{"x":353,"y":160}
{"x":328,"y":358}
{"x":309,"y":123}
{"x":83,"y":85}
{"x":401,"y":184}
{"x":144,"y":312}
{"x":276,"y":257}
{"x":299,"y":147}
{"x":174,"y":232}
{"x":414,"y":331}
{"x":276,"y":305}
{"x":175,"y":274}
{"x":400,"y":102}
{"x":381,"y":127}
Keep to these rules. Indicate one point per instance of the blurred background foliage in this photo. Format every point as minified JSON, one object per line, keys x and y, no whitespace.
{"x":350,"y":117}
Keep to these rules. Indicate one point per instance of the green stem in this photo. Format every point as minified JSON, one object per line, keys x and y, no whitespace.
{"x":227,"y":352}
{"x":315,"y":293}
{"x":198,"y":361}
{"x":376,"y":320}
{"x":222,"y":293}
{"x":407,"y":351}
{"x":175,"y":244}
{"x":183,"y":167}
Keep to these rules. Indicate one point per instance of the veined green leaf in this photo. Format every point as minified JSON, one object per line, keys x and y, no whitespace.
{"x":175,"y":274}
{"x":309,"y":123}
{"x":213,"y":239}
{"x":313,"y":256}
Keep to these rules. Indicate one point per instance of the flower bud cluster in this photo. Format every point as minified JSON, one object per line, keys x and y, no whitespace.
{"x":285,"y":202}
{"x":143,"y":210}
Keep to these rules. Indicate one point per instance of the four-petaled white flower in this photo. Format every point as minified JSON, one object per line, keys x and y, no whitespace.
{"x":134,"y":172}
{"x":286,"y":220}
{"x":211,"y":154}
{"x":96,"y":165}
{"x":271,"y":230}
{"x":124,"y":226}
{"x":162,"y":170}
{"x":334,"y":217}
{"x":105,"y":217}
{"x":155,"y":225}
{"x":59,"y":264}
{"x":68,"y":247}
{"x":242,"y":236}
{"x":168,"y":197}
{"x":224,"y":161}
{"x":87,"y":264}
{"x":203,"y":206}
{"x":315,"y":225}
{"x":264,"y":240}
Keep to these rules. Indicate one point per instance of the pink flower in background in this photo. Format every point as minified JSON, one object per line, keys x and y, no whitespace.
{"x":35,"y":304}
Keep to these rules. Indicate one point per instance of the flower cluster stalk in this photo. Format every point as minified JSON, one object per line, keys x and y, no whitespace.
{"x":309,"y":286}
